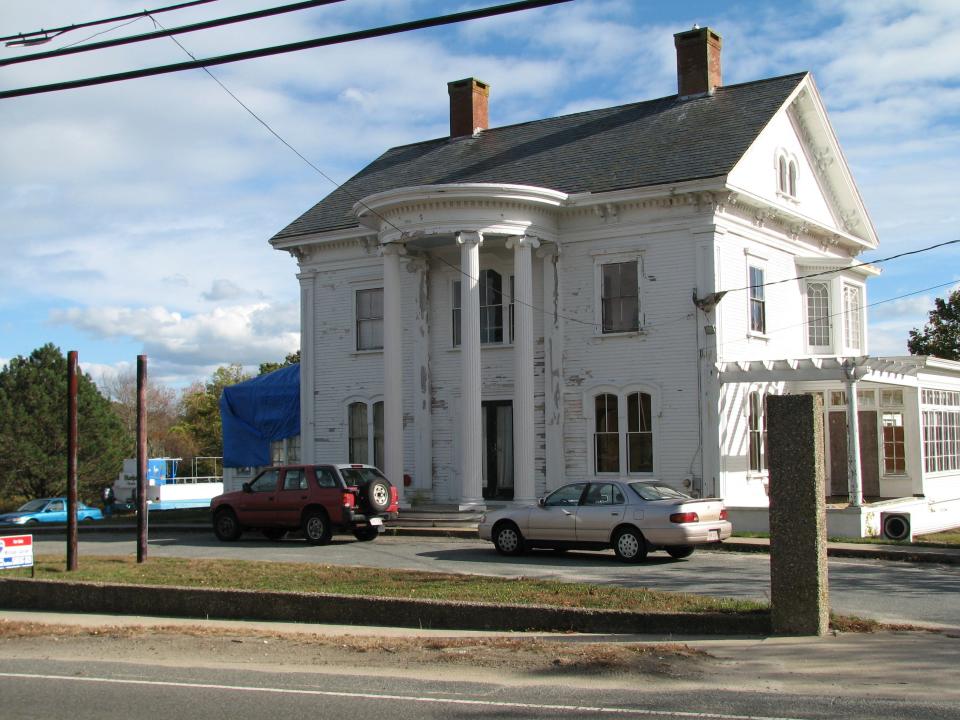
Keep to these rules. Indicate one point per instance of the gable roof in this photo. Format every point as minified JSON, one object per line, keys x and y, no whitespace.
{"x":641,"y":144}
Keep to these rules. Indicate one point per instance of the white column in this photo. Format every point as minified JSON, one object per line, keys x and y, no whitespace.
{"x":552,"y":367}
{"x":307,"y":368}
{"x":523,"y":451}
{"x":853,"y":437}
{"x":392,"y":367}
{"x":471,"y":468}
{"x":422,"y":410}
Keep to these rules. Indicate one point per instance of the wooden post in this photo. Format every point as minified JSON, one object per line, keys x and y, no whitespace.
{"x":71,"y":460}
{"x":799,"y":601}
{"x":141,"y":458}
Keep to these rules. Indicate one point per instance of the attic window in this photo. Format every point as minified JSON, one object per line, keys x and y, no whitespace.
{"x":786,"y":175}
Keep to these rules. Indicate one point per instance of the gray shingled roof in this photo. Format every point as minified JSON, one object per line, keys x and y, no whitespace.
{"x":646,"y":143}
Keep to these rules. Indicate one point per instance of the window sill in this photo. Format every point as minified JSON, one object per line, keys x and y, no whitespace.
{"x":485,"y":346}
{"x":376,"y":351}
{"x":788,"y":197}
{"x":754,"y":335}
{"x":626,"y":334}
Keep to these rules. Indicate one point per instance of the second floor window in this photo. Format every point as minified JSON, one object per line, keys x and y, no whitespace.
{"x":492,"y":301}
{"x":852,"y":305}
{"x":818,"y":315}
{"x":758,"y":303}
{"x":619,"y":297}
{"x":370,"y":319}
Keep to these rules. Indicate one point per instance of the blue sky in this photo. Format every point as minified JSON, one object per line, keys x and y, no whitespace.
{"x":136,"y":215}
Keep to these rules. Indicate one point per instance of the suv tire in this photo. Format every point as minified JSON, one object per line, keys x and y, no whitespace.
{"x":375,"y":496}
{"x":226,"y":526}
{"x":316,"y":527}
{"x":366,"y":533}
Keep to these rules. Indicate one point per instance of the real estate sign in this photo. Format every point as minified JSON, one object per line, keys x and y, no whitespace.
{"x":16,"y":551}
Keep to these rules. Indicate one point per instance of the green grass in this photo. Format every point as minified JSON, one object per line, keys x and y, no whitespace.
{"x":376,"y":582}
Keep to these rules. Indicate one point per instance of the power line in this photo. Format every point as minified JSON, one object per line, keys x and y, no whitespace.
{"x":165,"y":32}
{"x":287,"y":48}
{"x":844,"y":312}
{"x":849,"y":267}
{"x":25,"y":38}
{"x":340,"y":186}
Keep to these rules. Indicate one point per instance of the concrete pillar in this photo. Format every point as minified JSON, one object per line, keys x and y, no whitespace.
{"x":471,"y":468}
{"x":523,"y":446}
{"x":799,"y":599}
{"x":392,"y":367}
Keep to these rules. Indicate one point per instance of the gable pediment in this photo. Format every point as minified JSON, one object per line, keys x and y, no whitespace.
{"x":799,"y":139}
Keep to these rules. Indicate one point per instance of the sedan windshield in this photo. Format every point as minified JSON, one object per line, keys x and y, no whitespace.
{"x":32,"y":506}
{"x":654,"y":491}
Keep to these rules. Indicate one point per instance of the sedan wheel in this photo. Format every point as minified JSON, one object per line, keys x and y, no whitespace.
{"x":629,"y":545}
{"x":507,"y":539}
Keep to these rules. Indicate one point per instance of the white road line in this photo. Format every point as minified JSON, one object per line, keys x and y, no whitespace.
{"x":407,"y":698}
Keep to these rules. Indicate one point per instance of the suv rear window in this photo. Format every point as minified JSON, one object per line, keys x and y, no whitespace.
{"x":359,"y":477}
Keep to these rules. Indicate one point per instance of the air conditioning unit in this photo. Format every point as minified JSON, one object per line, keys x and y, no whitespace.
{"x":896,"y":526}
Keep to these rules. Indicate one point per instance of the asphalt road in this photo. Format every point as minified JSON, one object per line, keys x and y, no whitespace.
{"x":887,"y":591}
{"x":57,"y":689}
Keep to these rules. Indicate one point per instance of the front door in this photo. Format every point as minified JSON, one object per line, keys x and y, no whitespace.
{"x":869,"y":453}
{"x":497,"y":428}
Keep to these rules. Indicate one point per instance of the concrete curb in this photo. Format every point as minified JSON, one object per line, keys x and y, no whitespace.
{"x":946,"y":556}
{"x":205,"y":603}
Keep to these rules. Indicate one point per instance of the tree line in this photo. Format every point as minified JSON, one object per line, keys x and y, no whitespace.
{"x":33,"y":424}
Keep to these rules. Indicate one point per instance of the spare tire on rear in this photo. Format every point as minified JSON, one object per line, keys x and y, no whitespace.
{"x":375,"y":496}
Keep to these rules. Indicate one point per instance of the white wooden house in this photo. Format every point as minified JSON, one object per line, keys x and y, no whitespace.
{"x":612,"y":293}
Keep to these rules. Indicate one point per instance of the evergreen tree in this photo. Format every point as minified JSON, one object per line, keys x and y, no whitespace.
{"x":33,"y":430}
{"x":941,"y":335}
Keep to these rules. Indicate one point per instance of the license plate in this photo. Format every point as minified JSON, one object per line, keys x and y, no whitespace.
{"x":376,"y":521}
{"x":714,"y":536}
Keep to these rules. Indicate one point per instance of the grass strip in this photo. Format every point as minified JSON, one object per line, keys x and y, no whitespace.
{"x":377,"y":582}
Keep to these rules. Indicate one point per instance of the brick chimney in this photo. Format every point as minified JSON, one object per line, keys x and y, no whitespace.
{"x":468,"y":106}
{"x":698,"y":62}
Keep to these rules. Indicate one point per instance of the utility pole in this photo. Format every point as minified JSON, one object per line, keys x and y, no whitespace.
{"x":71,"y":460}
{"x":141,"y":458}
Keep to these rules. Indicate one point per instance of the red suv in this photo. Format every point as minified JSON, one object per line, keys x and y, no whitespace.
{"x":316,"y":499}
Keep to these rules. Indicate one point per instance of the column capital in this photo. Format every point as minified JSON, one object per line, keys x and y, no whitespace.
{"x":393,"y":249}
{"x":548,"y":249}
{"x":465,"y":237}
{"x":519,"y":241}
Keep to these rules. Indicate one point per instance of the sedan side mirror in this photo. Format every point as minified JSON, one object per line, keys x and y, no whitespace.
{"x":542,"y":501}
{"x":246,"y":487}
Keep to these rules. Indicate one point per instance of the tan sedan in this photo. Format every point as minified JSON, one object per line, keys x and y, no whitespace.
{"x":633,"y":518}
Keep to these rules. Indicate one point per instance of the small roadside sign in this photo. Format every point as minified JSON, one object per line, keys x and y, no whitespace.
{"x":16,"y":551}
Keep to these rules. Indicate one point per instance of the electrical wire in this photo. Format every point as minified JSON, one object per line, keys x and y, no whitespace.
{"x":339,"y":186}
{"x":842,"y":312}
{"x":91,"y":23}
{"x":166,"y":32}
{"x":849,"y":267}
{"x":436,"y":21}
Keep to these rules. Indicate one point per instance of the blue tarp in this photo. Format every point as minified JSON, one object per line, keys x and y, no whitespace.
{"x":257,"y":412}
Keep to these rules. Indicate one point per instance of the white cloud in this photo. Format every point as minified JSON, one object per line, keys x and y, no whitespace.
{"x":245,"y":334}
